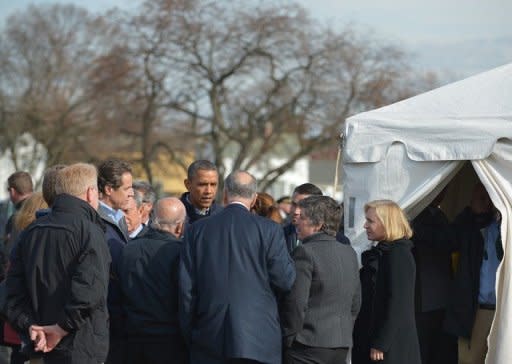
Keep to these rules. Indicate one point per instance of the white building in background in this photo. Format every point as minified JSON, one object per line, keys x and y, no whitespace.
{"x":311,"y":169}
{"x":31,"y":157}
{"x":287,"y":182}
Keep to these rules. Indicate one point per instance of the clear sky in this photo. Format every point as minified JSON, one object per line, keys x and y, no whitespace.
{"x":456,"y":38}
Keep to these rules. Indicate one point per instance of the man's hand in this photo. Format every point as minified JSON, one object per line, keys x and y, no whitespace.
{"x":38,"y":336}
{"x":376,"y":355}
{"x":54,"y":334}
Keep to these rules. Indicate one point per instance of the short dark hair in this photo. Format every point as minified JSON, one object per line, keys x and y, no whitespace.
{"x":284,"y":199}
{"x":49,"y":180}
{"x":21,"y":182}
{"x":235,"y":187}
{"x":110,"y":173}
{"x":322,"y":210}
{"x":197,"y":165}
{"x":308,"y":189}
{"x":146,"y":190}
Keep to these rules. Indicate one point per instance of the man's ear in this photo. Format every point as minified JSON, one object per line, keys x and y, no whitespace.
{"x":178,"y":229}
{"x":186,"y":182}
{"x":108,"y":190}
{"x":253,"y":202}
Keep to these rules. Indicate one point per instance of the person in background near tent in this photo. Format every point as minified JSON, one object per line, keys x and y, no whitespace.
{"x":391,"y":334}
{"x":318,"y":314}
{"x":266,"y":206}
{"x":434,"y":241}
{"x":148,"y":196}
{"x":285,"y":206}
{"x":473,"y":297}
{"x":340,"y":234}
{"x":299,"y":193}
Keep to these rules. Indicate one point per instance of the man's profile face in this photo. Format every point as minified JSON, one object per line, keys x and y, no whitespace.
{"x":203,"y":188}
{"x":295,"y":210}
{"x":132,"y":215}
{"x":120,"y":197}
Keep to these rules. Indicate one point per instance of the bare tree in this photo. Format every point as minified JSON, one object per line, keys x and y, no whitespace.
{"x":46,"y":57}
{"x":135,"y":79}
{"x":249,"y":87}
{"x":253,"y":83}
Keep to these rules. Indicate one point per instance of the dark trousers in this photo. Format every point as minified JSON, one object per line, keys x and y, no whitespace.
{"x":302,"y":354}
{"x":116,"y":350}
{"x":200,"y":357}
{"x":156,"y":352}
{"x":436,"y":346}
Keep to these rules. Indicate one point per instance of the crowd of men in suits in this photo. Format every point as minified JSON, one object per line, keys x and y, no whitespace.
{"x":108,"y":274}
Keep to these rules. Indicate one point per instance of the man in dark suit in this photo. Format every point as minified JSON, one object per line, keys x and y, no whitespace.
{"x":232,"y":266}
{"x":434,"y":241}
{"x":319,"y":312}
{"x":115,"y":186}
{"x":149,"y":281}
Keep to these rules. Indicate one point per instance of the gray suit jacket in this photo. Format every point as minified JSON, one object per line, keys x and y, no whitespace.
{"x":323,"y":304}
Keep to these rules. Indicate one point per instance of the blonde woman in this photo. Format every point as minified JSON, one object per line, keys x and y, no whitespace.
{"x":392,"y":328}
{"x":27,"y":214}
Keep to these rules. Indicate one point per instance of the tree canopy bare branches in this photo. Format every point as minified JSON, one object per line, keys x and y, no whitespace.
{"x":237,"y":84}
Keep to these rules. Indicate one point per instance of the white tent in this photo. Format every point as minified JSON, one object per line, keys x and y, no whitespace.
{"x":410,"y":150}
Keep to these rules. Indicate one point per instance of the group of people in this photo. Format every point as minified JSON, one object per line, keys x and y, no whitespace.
{"x":102,"y":272}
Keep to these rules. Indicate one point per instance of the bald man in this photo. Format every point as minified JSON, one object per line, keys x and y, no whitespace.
{"x":149,"y":282}
{"x":232,"y":266}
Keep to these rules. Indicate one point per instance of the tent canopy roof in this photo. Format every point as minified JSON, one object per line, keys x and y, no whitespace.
{"x":459,"y":121}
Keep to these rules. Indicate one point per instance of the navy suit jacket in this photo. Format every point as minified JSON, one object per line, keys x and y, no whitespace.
{"x":232,"y":266}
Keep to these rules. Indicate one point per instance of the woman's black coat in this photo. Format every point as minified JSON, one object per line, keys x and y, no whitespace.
{"x":387,"y":320}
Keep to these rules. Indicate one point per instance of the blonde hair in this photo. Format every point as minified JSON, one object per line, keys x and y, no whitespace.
{"x":27,"y":213}
{"x":396,"y":225}
{"x":76,"y":179}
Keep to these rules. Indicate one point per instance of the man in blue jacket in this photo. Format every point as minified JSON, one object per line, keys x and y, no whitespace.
{"x":232,"y":266}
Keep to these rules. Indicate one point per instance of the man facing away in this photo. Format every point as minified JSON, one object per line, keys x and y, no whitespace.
{"x":232,"y":266}
{"x":201,"y":183}
{"x":57,"y":284}
{"x":149,"y":280}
